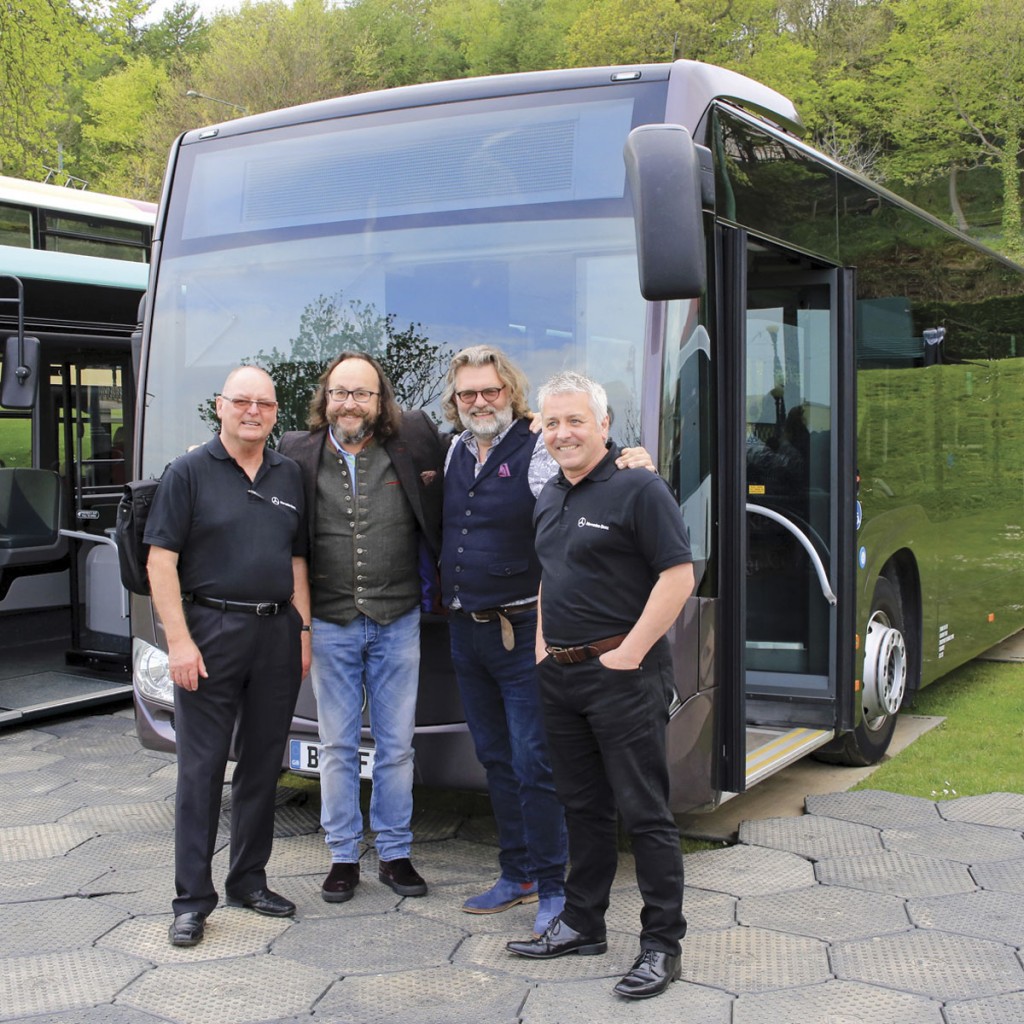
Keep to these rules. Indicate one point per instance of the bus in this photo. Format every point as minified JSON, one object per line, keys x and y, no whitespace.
{"x":828,"y":378}
{"x":73,"y":269}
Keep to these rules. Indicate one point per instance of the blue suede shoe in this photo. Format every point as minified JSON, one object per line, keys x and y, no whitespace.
{"x":502,"y":895}
{"x":550,"y":907}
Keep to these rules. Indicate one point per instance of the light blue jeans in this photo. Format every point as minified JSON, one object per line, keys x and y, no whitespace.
{"x":386,"y":661}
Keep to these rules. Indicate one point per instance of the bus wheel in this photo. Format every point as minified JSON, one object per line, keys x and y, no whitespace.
{"x":886,"y":662}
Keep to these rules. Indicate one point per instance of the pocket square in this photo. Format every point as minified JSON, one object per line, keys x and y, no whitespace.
{"x":503,"y":470}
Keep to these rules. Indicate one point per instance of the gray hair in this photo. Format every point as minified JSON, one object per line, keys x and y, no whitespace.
{"x":569,"y":383}
{"x":508,"y":373}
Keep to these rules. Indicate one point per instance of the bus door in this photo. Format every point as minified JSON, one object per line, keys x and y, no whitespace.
{"x":91,"y":403}
{"x":796,"y":462}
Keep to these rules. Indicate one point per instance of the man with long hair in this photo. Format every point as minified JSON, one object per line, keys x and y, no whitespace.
{"x":372,"y":477}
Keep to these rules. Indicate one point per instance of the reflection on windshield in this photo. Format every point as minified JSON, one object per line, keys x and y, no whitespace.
{"x":554,"y":294}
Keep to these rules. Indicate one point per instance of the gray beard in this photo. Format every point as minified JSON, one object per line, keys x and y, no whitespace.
{"x":502,"y":419}
{"x":364,"y":430}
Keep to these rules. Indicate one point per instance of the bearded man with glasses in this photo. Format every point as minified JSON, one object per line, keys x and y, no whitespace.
{"x":373,"y":483}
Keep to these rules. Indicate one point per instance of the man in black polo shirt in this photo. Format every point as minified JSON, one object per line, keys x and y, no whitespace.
{"x":615,"y":561}
{"x":227,"y":568}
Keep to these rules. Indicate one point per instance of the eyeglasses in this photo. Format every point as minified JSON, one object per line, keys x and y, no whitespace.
{"x":360,"y":395}
{"x":243,"y":404}
{"x":469,"y":397}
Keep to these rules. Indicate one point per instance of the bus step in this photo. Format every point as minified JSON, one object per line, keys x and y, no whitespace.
{"x":770,"y":750}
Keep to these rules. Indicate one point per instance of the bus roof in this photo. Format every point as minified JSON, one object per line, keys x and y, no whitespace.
{"x":78,"y":201}
{"x":64,"y":266}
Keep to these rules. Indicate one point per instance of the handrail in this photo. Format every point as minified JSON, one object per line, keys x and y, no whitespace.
{"x":805,"y":543}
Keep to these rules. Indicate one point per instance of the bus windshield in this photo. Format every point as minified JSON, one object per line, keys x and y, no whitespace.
{"x":408,"y":234}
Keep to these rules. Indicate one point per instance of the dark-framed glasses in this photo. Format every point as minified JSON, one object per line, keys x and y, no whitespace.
{"x":469,"y":397}
{"x":243,"y":404}
{"x":360,"y":395}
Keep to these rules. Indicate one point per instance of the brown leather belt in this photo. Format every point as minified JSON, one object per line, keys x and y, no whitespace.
{"x":573,"y":655}
{"x":508,"y":638}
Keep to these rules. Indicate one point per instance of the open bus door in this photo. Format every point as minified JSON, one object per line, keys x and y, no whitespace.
{"x":793,"y":439}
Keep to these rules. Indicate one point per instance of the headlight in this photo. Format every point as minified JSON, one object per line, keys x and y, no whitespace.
{"x":152,"y":672}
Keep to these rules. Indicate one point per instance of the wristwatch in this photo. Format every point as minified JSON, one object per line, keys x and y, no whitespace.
{"x":305,"y":629}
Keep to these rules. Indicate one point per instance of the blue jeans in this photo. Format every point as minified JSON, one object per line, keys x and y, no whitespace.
{"x":501,"y":698}
{"x":386,"y":661}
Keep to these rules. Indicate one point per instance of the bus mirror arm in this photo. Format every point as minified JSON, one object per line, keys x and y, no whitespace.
{"x":20,"y":372}
{"x":665,"y":173}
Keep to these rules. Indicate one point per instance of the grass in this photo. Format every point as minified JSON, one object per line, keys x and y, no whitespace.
{"x":978,"y":749}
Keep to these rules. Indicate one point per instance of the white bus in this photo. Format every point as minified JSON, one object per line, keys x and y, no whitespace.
{"x":73,"y":270}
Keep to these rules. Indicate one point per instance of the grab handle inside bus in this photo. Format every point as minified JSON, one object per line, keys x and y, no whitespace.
{"x":664,"y":171}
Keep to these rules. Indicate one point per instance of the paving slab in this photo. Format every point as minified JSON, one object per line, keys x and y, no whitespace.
{"x":869,"y":906}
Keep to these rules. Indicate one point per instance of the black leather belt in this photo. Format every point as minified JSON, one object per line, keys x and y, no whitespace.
{"x":574,"y":655}
{"x":252,"y":607}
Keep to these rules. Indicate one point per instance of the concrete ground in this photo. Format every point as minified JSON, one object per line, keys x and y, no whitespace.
{"x":870,"y":907}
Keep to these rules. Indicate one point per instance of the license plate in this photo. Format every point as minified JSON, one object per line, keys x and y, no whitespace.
{"x":304,"y":756}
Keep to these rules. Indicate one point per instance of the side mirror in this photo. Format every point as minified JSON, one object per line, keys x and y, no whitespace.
{"x":20,"y":378}
{"x":664,"y":170}
{"x":19,"y":375}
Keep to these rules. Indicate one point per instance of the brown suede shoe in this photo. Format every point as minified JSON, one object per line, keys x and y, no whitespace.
{"x":401,"y":876}
{"x":340,"y":884}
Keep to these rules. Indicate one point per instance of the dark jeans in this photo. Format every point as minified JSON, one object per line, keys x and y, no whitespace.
{"x":606,"y":732}
{"x":255,"y":667}
{"x":501,"y":699}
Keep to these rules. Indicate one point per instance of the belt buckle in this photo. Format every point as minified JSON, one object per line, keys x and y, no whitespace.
{"x":266,"y":608}
{"x":478,"y":617}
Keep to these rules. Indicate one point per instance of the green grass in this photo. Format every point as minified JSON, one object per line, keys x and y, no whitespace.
{"x":15,"y":441}
{"x":978,"y":749}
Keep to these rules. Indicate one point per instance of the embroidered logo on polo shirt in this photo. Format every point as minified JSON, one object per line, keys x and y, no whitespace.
{"x":278,"y":501}
{"x":583,"y":521}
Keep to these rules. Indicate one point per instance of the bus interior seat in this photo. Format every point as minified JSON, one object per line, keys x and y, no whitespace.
{"x":29,"y":516}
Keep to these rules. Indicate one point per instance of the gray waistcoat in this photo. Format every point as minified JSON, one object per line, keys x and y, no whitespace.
{"x":365,"y":548}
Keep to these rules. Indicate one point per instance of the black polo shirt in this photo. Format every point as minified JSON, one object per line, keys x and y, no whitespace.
{"x":235,"y":538}
{"x":602,"y":545}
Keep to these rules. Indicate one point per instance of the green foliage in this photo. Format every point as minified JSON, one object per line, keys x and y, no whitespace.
{"x":979,"y":747}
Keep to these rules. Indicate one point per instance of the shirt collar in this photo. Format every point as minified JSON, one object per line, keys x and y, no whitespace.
{"x":468,"y":438}
{"x":605,"y":469}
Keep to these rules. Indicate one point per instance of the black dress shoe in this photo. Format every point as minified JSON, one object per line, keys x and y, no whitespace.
{"x":340,"y":884}
{"x":558,"y":940}
{"x":187,"y":929}
{"x":401,"y":876}
{"x":263,"y":901}
{"x":652,"y":972}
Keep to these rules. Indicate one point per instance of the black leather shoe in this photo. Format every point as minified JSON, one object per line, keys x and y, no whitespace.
{"x":558,"y":940}
{"x":263,"y":901}
{"x":187,"y":929}
{"x":652,"y":972}
{"x":340,"y":884}
{"x":401,"y":876}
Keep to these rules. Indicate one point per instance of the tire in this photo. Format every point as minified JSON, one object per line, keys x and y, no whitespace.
{"x":886,"y":672}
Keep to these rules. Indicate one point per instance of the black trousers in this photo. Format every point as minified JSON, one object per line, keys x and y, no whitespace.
{"x":255,"y":668}
{"x":606,"y":737}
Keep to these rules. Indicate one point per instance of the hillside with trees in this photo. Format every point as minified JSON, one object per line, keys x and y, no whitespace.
{"x":925,"y":96}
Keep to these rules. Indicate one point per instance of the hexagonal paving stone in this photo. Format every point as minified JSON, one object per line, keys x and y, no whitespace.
{"x":986,"y":915}
{"x":1004,"y":876}
{"x":51,"y":982}
{"x":125,"y":851}
{"x":899,"y":874}
{"x":105,"y":1014}
{"x":932,"y":964}
{"x":29,"y":842}
{"x":489,"y":952}
{"x":250,"y":989}
{"x":1001,"y":810}
{"x":19,"y":761}
{"x":753,"y":960}
{"x":15,"y":785}
{"x":825,"y":912}
{"x":137,"y":890}
{"x":813,"y":836}
{"x":837,"y":1002}
{"x":43,"y":879}
{"x":988,"y":1010}
{"x":442,"y":995}
{"x":139,"y":816}
{"x":229,"y":933}
{"x":42,"y":808}
{"x":747,"y":870}
{"x":52,"y":925}
{"x":592,"y":1002}
{"x":955,"y":841}
{"x":385,"y":942}
{"x":873,"y":807}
